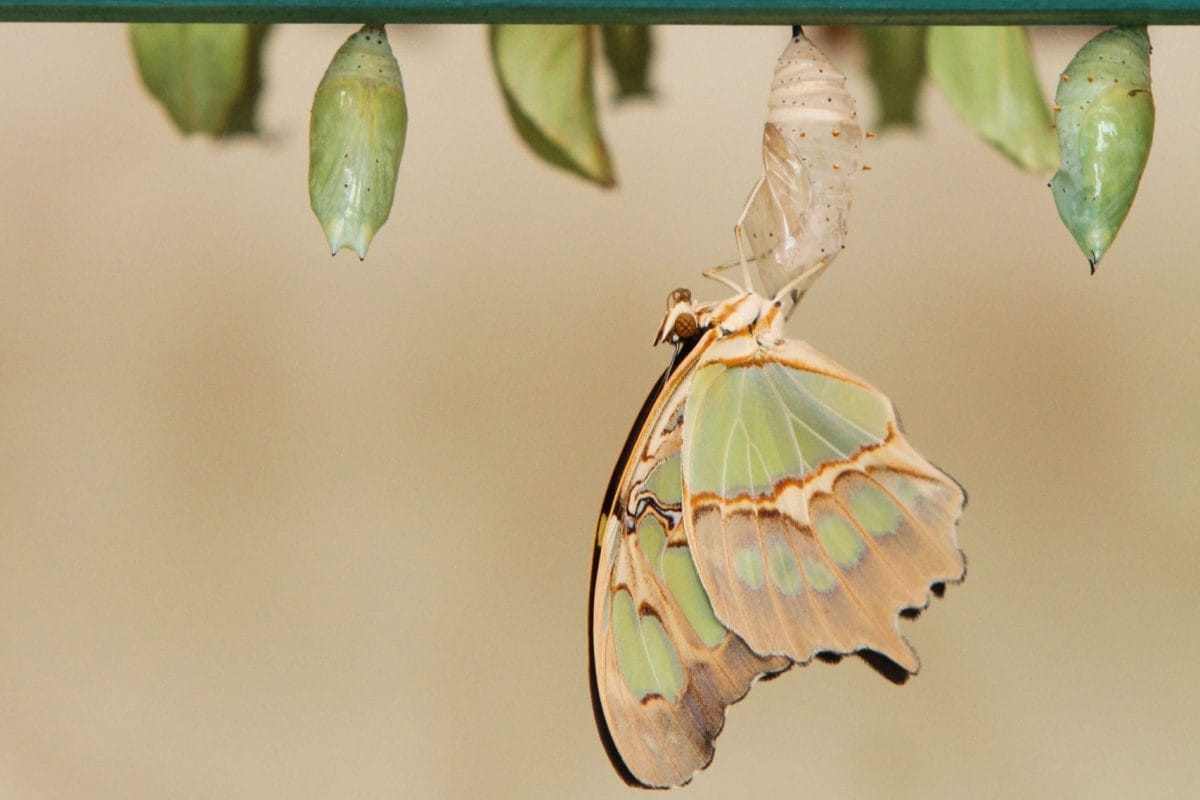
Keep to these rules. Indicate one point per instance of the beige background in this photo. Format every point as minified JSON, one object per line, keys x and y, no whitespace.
{"x":276,"y":525}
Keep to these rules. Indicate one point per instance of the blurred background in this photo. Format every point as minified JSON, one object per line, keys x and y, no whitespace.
{"x":275,"y":524}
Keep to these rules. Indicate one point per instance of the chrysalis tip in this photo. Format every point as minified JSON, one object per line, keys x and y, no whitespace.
{"x":346,"y":237}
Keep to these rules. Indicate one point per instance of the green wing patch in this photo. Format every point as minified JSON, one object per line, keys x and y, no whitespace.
{"x":813,"y":522}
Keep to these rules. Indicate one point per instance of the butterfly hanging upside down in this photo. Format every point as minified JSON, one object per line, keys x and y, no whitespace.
{"x":766,"y":509}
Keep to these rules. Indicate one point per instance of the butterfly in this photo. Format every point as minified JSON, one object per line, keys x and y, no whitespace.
{"x":766,"y":509}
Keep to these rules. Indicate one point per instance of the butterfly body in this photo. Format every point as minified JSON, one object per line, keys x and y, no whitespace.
{"x":766,"y":509}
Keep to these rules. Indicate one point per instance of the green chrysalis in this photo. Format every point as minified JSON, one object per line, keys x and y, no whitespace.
{"x":896,"y":65}
{"x":356,"y":138}
{"x":545,"y":73}
{"x":628,"y":50}
{"x":207,"y":76}
{"x":988,"y":76}
{"x":1105,"y":124}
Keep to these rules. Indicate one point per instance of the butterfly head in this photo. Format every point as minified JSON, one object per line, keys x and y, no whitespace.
{"x":680,"y":324}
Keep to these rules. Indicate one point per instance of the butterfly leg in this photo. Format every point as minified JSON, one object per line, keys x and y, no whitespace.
{"x":739,"y":235}
{"x":739,"y":230}
{"x":714,"y":273}
{"x":803,"y":278}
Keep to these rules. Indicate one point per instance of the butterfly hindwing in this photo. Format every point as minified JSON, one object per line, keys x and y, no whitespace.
{"x":664,"y":668}
{"x":812,"y":521}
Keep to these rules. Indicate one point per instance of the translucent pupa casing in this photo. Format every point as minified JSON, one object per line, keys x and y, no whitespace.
{"x":796,"y":216}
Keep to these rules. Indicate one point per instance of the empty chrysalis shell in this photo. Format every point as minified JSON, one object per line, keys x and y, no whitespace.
{"x":356,"y":138}
{"x":1105,"y":126}
{"x":795,"y":218}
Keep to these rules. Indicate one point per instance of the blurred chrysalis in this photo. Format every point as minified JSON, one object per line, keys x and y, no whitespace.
{"x":988,"y":76}
{"x":207,"y":76}
{"x":628,"y":50}
{"x":545,"y":73}
{"x":1105,"y":124}
{"x":896,"y":65}
{"x":356,"y":138}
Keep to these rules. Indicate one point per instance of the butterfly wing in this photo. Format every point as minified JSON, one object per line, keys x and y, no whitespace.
{"x":663,"y":667}
{"x":812,"y":521}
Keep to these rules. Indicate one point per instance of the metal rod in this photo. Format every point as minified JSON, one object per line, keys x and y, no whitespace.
{"x":748,"y":12}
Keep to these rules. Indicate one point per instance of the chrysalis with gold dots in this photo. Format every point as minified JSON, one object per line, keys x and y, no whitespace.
{"x":1105,"y":121}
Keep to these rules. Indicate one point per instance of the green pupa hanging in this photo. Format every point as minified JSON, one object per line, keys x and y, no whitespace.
{"x":1105,"y":124}
{"x":207,"y":76}
{"x":356,"y":138}
{"x":628,"y":50}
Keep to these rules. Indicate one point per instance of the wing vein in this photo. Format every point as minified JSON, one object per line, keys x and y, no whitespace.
{"x":787,"y":410}
{"x":830,"y":408}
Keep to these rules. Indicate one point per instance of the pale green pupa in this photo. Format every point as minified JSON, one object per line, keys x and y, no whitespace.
{"x":1105,"y":125}
{"x":207,"y":76}
{"x":356,"y":138}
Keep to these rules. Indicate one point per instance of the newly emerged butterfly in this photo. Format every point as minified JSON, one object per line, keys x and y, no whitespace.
{"x":356,"y":137}
{"x":796,"y":215}
{"x":766,"y":508}
{"x":1105,"y":125}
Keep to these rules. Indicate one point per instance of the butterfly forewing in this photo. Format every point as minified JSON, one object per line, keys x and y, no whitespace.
{"x":811,"y":520}
{"x":664,"y":668}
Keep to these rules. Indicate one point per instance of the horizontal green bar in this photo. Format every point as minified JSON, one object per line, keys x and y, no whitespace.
{"x":749,"y":12}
